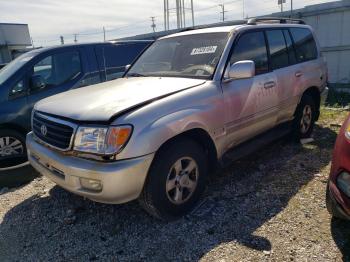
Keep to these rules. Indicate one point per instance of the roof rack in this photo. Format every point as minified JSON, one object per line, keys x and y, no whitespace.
{"x":281,"y":20}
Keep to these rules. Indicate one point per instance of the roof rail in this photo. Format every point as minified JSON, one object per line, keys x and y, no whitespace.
{"x":281,"y":20}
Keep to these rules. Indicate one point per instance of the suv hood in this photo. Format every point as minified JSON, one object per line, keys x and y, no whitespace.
{"x":102,"y":101}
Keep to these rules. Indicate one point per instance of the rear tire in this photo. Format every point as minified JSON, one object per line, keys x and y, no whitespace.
{"x":175,"y":181}
{"x":304,"y":118}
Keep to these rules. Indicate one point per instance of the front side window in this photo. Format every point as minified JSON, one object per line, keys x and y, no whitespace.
{"x":278,"y":49}
{"x":193,"y":56}
{"x":305,"y":45}
{"x":59,"y":68}
{"x":252,"y":46}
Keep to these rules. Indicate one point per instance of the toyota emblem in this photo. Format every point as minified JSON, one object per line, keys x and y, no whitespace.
{"x":43,"y":130}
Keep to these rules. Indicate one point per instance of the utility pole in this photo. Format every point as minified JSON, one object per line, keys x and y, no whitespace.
{"x":153,"y":24}
{"x":192,"y":12}
{"x":62,"y":40}
{"x":280,"y":2}
{"x":223,"y":12}
{"x":75,"y":38}
{"x":243,"y":8}
{"x":291,"y":8}
{"x":104,"y":34}
{"x":184,"y":12}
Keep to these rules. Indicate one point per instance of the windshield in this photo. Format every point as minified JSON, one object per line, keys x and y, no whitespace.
{"x":16,"y":64}
{"x":194,"y":56}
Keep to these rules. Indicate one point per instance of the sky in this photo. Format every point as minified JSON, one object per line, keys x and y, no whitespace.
{"x":50,"y":19}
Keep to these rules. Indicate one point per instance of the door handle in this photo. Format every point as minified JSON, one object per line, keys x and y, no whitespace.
{"x":298,"y":74}
{"x":270,"y":84}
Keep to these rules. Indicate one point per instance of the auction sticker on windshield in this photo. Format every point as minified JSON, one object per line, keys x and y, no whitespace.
{"x":204,"y":50}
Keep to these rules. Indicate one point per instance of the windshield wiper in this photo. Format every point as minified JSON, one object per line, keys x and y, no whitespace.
{"x":135,"y":75}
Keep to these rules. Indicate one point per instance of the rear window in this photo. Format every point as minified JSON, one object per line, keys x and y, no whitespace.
{"x":305,"y":45}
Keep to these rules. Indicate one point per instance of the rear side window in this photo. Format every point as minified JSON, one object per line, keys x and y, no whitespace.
{"x":278,"y":49}
{"x":116,"y":57}
{"x":252,"y":46}
{"x":305,"y":45}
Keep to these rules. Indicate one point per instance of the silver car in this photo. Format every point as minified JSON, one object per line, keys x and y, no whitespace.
{"x":192,"y":101}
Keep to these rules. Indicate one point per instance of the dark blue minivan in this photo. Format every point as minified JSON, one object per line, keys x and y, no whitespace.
{"x":47,"y":71}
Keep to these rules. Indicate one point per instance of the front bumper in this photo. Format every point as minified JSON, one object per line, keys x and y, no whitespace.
{"x":121,"y":181}
{"x":335,"y":200}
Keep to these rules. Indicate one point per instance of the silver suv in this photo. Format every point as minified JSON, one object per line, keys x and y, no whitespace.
{"x":191,"y":101}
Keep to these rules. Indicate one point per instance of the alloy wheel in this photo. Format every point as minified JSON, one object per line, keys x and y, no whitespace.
{"x":182,"y":180}
{"x":306,"y":119}
{"x":10,"y":146}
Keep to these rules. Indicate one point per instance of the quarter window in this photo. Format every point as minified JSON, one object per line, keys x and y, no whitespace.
{"x":305,"y":45}
{"x":252,"y":46}
{"x":278,"y":49}
{"x":59,"y":68}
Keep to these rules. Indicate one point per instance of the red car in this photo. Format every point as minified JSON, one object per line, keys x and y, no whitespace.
{"x":338,"y":190}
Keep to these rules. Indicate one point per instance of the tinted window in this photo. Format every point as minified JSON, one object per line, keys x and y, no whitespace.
{"x":59,"y":68}
{"x":278,"y":49}
{"x":118,"y":56}
{"x":291,"y":53}
{"x":305,"y":45}
{"x":251,"y":46}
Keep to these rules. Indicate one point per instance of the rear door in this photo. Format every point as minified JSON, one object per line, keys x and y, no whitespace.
{"x":251,"y":103}
{"x":311,"y":69}
{"x":284,"y":65}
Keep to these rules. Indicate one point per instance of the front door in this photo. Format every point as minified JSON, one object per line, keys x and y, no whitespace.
{"x":251,"y":103}
{"x":60,"y":71}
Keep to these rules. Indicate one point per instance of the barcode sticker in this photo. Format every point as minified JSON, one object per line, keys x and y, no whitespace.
{"x":204,"y":50}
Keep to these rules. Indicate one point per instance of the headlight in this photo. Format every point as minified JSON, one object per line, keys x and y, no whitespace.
{"x":102,"y":140}
{"x":347,"y":132}
{"x":343,"y":182}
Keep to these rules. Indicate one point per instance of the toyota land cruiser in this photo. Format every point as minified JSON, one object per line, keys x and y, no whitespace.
{"x":184,"y":106}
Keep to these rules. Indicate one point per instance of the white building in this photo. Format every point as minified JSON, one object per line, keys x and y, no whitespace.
{"x":13,"y":38}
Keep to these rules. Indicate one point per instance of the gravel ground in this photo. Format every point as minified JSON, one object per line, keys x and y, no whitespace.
{"x":269,"y":206}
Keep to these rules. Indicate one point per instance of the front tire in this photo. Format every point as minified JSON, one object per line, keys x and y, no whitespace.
{"x":12,"y":148}
{"x":175,"y":181}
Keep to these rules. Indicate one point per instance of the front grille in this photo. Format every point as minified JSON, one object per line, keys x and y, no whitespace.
{"x":52,"y":131}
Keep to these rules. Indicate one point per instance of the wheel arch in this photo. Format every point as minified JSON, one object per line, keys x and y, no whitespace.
{"x":203,"y":139}
{"x":15,"y":127}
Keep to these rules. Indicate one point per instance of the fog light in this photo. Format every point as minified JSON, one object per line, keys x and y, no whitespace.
{"x":91,"y":184}
{"x":343,"y":182}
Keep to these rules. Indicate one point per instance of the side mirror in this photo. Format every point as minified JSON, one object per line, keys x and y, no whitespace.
{"x":37,"y":82}
{"x":241,"y":70}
